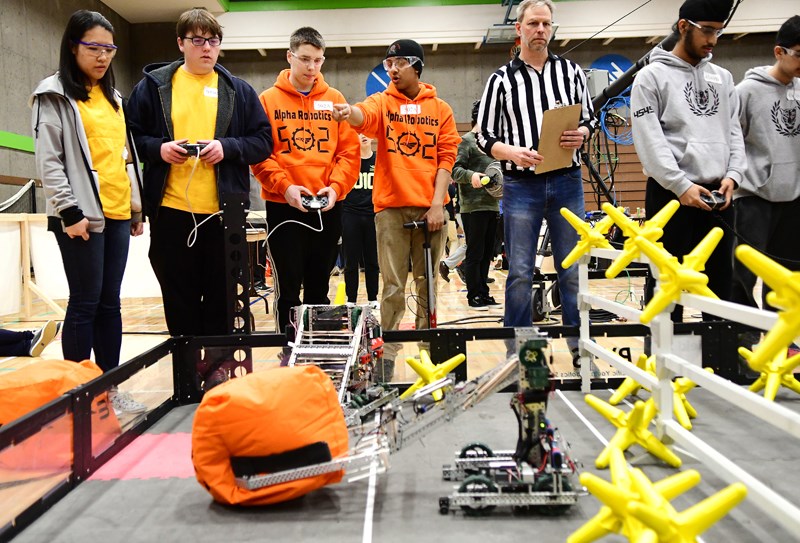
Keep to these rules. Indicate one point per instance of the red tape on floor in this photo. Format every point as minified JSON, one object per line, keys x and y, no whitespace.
{"x":151,"y":456}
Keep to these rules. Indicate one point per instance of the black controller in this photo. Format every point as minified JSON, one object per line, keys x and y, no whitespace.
{"x":715,"y":201}
{"x":312,"y":203}
{"x":193,"y":148}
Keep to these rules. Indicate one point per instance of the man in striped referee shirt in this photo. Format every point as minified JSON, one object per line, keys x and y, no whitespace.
{"x":510,"y":118}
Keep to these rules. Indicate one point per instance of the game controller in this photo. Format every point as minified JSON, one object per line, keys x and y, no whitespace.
{"x":314,"y":202}
{"x":715,"y":201}
{"x":193,"y":148}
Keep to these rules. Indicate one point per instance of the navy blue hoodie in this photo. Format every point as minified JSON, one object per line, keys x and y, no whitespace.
{"x":242,"y":128}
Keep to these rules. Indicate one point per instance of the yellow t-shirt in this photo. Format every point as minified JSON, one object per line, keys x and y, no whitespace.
{"x":105,"y":131}
{"x":194,"y":117}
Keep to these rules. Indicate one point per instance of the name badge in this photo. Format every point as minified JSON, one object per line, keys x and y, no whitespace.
{"x":209,"y":92}
{"x":410,"y":109}
{"x":713,"y":78}
{"x":323,"y":105}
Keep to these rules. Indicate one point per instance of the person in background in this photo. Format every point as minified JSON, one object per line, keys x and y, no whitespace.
{"x":93,"y":206}
{"x":314,"y":155}
{"x":478,"y":214}
{"x":194,"y":100}
{"x":513,"y":103}
{"x":687,"y":134}
{"x":767,"y":201}
{"x":358,"y":230}
{"x":28,"y":342}
{"x":417,"y":144}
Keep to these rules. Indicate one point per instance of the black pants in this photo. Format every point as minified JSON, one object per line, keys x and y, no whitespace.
{"x":192,"y":278}
{"x":301,"y":257}
{"x":358,"y":242}
{"x":479,"y":232}
{"x":684,"y":231}
{"x":771,"y":228}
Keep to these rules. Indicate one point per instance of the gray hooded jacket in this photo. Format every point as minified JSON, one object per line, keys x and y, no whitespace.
{"x":685,"y":123}
{"x":770,"y":117}
{"x":64,"y":162}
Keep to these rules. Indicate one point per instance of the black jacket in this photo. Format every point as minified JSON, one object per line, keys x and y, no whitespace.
{"x":242,"y":128}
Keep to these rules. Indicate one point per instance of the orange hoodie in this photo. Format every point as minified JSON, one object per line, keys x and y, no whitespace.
{"x":415,"y":139}
{"x":309,"y":147}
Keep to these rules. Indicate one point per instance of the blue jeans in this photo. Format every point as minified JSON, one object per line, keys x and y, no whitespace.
{"x":94,"y":270}
{"x":526,"y":201}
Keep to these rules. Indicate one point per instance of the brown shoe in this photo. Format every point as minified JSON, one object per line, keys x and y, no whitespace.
{"x":444,"y":271}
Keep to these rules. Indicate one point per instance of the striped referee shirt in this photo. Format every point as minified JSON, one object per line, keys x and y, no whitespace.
{"x":516,"y":96}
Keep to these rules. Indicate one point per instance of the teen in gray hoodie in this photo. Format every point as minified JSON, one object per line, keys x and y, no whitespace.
{"x":768,"y":199}
{"x":687,"y":135}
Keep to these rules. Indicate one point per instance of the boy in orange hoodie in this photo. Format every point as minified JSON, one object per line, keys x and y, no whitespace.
{"x":314,"y":154}
{"x":417,"y":146}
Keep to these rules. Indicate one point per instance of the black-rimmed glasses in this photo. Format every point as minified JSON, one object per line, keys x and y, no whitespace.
{"x":97,"y":50}
{"x":200,"y":41}
{"x":707,"y":30}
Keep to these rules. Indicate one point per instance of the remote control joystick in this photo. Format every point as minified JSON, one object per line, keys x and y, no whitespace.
{"x":312,"y":203}
{"x":715,"y":201}
{"x":193,"y":148}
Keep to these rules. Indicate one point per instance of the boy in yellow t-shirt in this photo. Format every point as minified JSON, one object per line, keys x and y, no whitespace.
{"x":194,"y":101}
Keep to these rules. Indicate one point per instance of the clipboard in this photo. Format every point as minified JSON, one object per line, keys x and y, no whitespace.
{"x":554,"y":122}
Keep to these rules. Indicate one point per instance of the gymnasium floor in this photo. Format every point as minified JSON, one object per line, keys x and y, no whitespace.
{"x":148,"y":492}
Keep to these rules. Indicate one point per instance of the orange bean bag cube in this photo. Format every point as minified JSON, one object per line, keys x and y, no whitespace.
{"x":265,"y":422}
{"x":29,"y":388}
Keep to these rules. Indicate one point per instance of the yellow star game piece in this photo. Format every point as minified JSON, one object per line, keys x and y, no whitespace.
{"x":614,"y":516}
{"x":630,"y":386}
{"x":590,"y":236}
{"x":785,"y":295}
{"x":429,"y":372}
{"x":774,"y":373}
{"x":651,"y":230}
{"x":631,"y":428}
{"x":673,"y":277}
{"x":658,"y":515}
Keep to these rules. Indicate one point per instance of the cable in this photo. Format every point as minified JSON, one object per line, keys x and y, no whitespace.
{"x":193,"y":234}
{"x":740,"y":237}
{"x":607,"y":27}
{"x":319,"y":212}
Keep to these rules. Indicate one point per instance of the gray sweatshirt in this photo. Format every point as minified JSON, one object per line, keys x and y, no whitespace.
{"x":686,"y":122}
{"x":770,"y":117}
{"x":64,"y":162}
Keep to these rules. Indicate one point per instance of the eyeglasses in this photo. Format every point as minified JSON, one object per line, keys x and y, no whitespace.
{"x":707,"y":30}
{"x":400,"y":62}
{"x":308,"y":61}
{"x":97,"y":50}
{"x":791,"y":52}
{"x":200,"y":41}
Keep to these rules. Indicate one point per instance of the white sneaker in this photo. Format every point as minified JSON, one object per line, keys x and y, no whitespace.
{"x":375,"y":304}
{"x":123,"y":403}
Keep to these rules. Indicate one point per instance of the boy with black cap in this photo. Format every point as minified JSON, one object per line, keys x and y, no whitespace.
{"x":417,"y":143}
{"x":767,"y":201}
{"x":687,"y":135}
{"x":478,"y":215}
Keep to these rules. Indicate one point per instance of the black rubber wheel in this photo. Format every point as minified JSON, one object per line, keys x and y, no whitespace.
{"x":478,"y":484}
{"x":545,"y":484}
{"x":476,"y":450}
{"x":537,"y":305}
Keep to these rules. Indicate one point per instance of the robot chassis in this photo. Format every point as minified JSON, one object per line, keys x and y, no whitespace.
{"x":346,"y":343}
